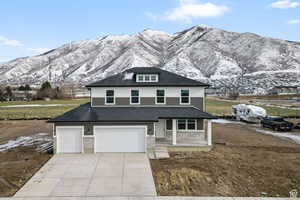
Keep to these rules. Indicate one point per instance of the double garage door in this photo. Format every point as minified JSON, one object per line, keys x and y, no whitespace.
{"x":106,"y":139}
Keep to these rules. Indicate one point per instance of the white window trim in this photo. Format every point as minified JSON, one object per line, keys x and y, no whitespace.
{"x":110,"y":96}
{"x":186,"y":125}
{"x":137,"y":78}
{"x":148,"y":81}
{"x":164,"y":103}
{"x":135,"y":96}
{"x":189,"y":103}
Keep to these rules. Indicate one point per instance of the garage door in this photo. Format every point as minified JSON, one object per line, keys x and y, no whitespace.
{"x":119,"y":138}
{"x":69,"y":139}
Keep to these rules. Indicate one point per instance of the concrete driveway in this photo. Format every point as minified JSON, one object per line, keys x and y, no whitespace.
{"x":89,"y":175}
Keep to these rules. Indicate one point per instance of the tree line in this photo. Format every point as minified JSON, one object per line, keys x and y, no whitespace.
{"x":45,"y":91}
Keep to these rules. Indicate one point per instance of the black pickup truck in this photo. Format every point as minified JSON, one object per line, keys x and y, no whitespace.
{"x":276,"y":123}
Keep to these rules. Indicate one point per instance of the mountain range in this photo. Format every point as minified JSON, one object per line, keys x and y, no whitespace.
{"x":204,"y":53}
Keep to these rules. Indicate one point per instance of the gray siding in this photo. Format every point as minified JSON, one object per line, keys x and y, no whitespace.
{"x":149,"y":101}
{"x":122,"y":101}
{"x":172,"y":101}
{"x":98,"y":101}
{"x":197,"y":102}
{"x":200,"y":124}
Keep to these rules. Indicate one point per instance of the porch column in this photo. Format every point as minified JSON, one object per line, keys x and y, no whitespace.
{"x":174,"y":132}
{"x":209,"y":133}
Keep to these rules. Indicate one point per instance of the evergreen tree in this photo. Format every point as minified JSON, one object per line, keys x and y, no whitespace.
{"x":46,"y":85}
{"x":27,"y":87}
{"x":8,"y":93}
{"x":21,"y":88}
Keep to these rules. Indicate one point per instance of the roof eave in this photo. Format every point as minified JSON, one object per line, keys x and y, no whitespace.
{"x":101,"y":121}
{"x":148,"y":85}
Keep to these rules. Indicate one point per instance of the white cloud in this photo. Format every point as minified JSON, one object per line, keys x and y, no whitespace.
{"x":189,"y":10}
{"x":294,"y":21}
{"x":283,"y":4}
{"x":8,"y":42}
{"x":38,"y":50}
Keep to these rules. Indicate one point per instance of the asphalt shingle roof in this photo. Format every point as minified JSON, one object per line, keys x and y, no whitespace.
{"x":86,"y":113}
{"x":166,"y":78}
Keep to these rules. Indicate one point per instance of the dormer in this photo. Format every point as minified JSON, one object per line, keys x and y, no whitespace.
{"x":146,"y":78}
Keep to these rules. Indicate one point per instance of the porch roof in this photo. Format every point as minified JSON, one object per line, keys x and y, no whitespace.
{"x":86,"y":113}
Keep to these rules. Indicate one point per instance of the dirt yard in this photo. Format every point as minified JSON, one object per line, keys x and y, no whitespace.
{"x":17,"y":165}
{"x":10,"y":129}
{"x":243,"y":162}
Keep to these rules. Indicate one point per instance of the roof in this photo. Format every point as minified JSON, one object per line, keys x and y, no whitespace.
{"x":86,"y":113}
{"x":166,"y":78}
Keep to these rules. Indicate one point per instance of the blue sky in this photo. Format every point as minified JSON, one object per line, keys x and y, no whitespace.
{"x":33,"y":26}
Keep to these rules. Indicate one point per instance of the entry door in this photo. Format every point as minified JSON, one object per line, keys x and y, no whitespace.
{"x":69,"y":139}
{"x":120,"y":138}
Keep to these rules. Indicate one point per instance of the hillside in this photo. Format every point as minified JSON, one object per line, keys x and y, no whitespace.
{"x":201,"y":53}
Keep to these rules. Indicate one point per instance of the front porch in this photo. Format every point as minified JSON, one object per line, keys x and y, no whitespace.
{"x":178,"y":134}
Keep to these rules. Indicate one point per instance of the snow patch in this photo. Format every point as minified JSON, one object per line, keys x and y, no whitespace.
{"x":37,"y":105}
{"x":225,"y":121}
{"x":40,"y":139}
{"x":128,"y":76}
{"x":284,"y":135}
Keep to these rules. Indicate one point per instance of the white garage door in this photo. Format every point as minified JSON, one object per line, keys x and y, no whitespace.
{"x":69,"y":139}
{"x":119,"y":138}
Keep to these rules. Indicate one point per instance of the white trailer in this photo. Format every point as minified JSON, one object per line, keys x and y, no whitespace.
{"x":248,"y":113}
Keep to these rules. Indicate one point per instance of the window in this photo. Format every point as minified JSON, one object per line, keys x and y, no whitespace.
{"x":185,"y":97}
{"x":181,"y":124}
{"x":147,"y":78}
{"x":135,"y":97}
{"x":191,"y":124}
{"x":154,"y":78}
{"x":169,"y":124}
{"x":186,"y":124}
{"x":160,"y":96}
{"x":110,"y":97}
{"x":140,"y":78}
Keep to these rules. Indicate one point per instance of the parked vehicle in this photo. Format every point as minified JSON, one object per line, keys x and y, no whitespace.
{"x":277,"y":123}
{"x":297,"y":126}
{"x":248,"y":113}
{"x":296,"y":98}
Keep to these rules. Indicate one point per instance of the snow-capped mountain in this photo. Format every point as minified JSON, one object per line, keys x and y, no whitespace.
{"x":201,"y":52}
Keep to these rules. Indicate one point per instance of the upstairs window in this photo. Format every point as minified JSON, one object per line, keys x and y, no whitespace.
{"x":110,"y":97}
{"x":135,"y":97}
{"x":185,"y":97}
{"x":147,"y":78}
{"x":140,"y":78}
{"x":160,"y":97}
{"x":153,"y":78}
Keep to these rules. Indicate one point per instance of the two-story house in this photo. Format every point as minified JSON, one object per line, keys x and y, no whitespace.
{"x":136,"y":110}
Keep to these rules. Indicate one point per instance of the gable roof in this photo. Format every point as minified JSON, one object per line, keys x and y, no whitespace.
{"x":86,"y":113}
{"x":127,"y":78}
